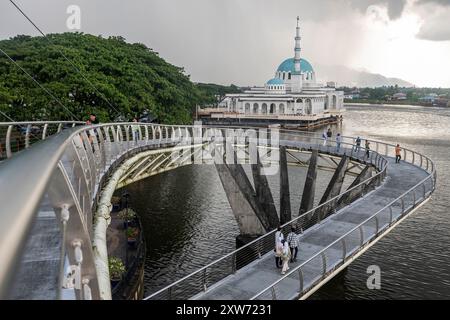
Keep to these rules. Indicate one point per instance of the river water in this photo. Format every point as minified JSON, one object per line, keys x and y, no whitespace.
{"x":188,"y":222}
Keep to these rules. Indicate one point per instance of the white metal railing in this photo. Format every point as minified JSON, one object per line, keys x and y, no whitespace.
{"x":17,"y":136}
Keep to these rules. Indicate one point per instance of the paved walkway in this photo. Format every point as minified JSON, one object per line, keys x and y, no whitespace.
{"x":255,"y":277}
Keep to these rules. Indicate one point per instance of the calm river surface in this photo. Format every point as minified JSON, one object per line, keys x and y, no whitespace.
{"x":188,"y":222}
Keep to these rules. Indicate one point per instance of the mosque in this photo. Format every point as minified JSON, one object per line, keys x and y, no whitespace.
{"x":292,"y":97}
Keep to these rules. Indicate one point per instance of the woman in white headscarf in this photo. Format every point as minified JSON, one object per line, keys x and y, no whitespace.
{"x":324,"y":137}
{"x":285,"y":256}
{"x":278,"y":247}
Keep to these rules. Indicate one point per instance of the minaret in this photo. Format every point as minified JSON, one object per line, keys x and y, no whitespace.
{"x":297,"y":48}
{"x":296,"y":82}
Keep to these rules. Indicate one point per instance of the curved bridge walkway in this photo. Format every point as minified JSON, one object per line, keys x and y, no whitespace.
{"x":253,"y":280}
{"x":66,"y":183}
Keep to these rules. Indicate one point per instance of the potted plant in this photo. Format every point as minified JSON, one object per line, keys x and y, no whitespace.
{"x":127,"y":215}
{"x":116,"y":270}
{"x":132,"y":234}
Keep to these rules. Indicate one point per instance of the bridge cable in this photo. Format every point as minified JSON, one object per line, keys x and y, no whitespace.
{"x":65,"y":57}
{"x":40,"y":85}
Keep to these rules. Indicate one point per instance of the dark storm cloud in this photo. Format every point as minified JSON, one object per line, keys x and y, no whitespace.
{"x":441,"y":2}
{"x":436,"y":20}
{"x":395,"y":7}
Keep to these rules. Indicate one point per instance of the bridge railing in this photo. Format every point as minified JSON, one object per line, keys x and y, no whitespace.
{"x":17,"y":136}
{"x":207,"y":277}
{"x":64,"y":175}
{"x":380,"y":222}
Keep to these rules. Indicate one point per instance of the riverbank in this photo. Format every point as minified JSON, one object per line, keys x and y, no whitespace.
{"x":391,"y":104}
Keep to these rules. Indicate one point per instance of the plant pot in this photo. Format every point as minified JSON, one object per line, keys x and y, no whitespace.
{"x":114,"y":283}
{"x":132,"y":242}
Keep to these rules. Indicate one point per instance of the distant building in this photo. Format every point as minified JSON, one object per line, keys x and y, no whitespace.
{"x":430,"y":98}
{"x":293,"y":92}
{"x":399,"y":96}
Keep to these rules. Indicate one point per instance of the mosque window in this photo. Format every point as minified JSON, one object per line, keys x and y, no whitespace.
{"x":289,"y":76}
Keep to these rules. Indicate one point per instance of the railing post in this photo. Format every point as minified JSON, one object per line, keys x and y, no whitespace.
{"x":300,"y":276}
{"x":170,"y":293}
{"x":27,"y":136}
{"x":274,"y":295}
{"x":204,"y":280}
{"x":403,"y":205}
{"x":324,"y":263}
{"x":361,"y":233}
{"x":424,"y":190}
{"x":44,"y":132}
{"x":390,"y":215}
{"x":59,"y":128}
{"x":8,"y":141}
{"x":344,"y":250}
{"x":233,"y":263}
{"x":377,"y":226}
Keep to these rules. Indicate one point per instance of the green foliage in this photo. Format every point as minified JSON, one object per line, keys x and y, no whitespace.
{"x":116,"y":268}
{"x":214,"y":93}
{"x":127,"y":214}
{"x":131,"y":76}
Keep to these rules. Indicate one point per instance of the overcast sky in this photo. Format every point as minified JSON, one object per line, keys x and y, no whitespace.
{"x":243,"y":41}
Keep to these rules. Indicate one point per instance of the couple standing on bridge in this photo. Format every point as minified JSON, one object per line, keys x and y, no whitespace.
{"x":285,"y":249}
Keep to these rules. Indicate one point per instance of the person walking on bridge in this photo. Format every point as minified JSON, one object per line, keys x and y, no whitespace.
{"x":358,"y":144}
{"x":338,"y":142}
{"x":398,"y":155}
{"x":279,"y":237}
{"x":329,"y":135}
{"x":292,"y":239}
{"x":367,"y":147}
{"x":324,"y":137}
{"x":135,"y":131}
{"x":285,"y":256}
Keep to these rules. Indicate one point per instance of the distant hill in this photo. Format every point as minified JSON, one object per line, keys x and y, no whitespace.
{"x":348,"y":77}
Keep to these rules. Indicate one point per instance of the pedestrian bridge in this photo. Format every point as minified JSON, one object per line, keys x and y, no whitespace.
{"x":56,"y":196}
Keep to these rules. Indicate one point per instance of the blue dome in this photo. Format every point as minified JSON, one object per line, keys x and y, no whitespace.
{"x":275,"y":81}
{"x":288,"y":66}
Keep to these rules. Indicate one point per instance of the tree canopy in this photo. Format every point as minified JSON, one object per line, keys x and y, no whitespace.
{"x":132,"y":77}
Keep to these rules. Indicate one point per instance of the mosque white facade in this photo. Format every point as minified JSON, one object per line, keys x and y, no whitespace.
{"x":292,"y":93}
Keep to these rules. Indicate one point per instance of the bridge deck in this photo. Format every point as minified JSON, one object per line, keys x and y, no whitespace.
{"x":255,"y":277}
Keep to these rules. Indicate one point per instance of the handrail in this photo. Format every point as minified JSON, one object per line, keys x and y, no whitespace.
{"x":342,"y":237}
{"x":29,"y":126}
{"x":270,"y":233}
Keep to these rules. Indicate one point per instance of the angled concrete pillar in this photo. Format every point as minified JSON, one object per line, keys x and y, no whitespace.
{"x":285,"y":197}
{"x":264,"y":196}
{"x":351,"y":196}
{"x":333,"y":188}
{"x":309,"y":189}
{"x":242,"y":200}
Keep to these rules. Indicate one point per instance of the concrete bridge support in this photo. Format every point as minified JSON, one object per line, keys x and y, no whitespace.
{"x":334,"y":188}
{"x":285,"y":197}
{"x":351,"y":196}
